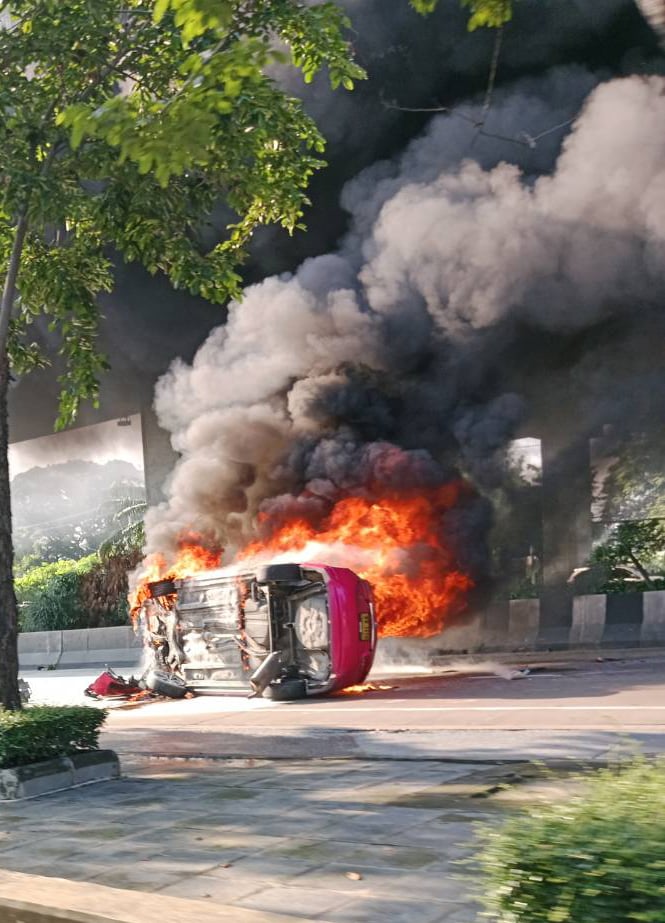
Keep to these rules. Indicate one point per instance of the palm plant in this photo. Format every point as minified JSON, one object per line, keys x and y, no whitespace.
{"x":127,"y":506}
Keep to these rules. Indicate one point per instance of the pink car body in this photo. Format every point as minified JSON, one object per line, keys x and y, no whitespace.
{"x":352,"y":626}
{"x":284,"y":631}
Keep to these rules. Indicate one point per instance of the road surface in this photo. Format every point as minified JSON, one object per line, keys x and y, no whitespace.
{"x":572,"y":706}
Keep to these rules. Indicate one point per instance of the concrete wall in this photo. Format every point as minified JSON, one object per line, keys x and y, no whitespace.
{"x":78,"y":648}
{"x":631,"y":620}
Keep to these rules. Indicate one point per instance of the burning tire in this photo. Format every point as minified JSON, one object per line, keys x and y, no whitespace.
{"x":279,"y":573}
{"x":286,"y":691}
{"x":161,"y":588}
{"x":165,"y":684}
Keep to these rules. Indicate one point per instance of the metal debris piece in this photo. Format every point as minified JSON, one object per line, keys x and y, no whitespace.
{"x":25,"y":691}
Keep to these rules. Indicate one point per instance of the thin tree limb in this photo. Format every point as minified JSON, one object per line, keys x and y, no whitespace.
{"x":11,"y":278}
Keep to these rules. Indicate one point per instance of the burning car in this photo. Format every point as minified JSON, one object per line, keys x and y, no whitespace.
{"x":284,"y":631}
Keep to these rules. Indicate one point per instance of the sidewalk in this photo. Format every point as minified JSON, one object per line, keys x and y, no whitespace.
{"x":334,"y":840}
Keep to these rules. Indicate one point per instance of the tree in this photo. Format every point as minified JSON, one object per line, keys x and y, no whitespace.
{"x":492,"y":13}
{"x":128,"y":532}
{"x":634,"y":483}
{"x":67,"y":510}
{"x":638,"y":543}
{"x":122,"y":122}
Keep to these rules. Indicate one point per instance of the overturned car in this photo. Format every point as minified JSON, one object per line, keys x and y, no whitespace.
{"x":284,"y":631}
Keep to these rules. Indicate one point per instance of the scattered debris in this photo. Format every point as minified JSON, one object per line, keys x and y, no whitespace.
{"x":519,"y":674}
{"x":110,"y":685}
{"x":25,"y":691}
{"x":487,"y":792}
{"x":117,"y":692}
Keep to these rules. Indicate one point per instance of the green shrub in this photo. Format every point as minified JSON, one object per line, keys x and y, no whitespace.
{"x":43,"y":733}
{"x":599,"y":857}
{"x":57,"y":596}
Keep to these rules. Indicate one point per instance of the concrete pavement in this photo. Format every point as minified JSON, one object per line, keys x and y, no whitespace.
{"x":335,"y":841}
{"x":349,"y":809}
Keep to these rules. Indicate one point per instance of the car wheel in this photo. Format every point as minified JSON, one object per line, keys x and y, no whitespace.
{"x":279,"y":573}
{"x":165,"y":684}
{"x":286,"y":691}
{"x":161,"y":588}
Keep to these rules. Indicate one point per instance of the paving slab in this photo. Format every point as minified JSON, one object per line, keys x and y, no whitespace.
{"x":397,"y":911}
{"x":297,"y":901}
{"x":309,"y":843}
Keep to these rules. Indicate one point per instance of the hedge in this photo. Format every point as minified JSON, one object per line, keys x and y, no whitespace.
{"x":598,"y":857}
{"x":87,"y":593}
{"x":43,"y":733}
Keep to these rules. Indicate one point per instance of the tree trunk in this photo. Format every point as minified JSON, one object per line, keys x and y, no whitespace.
{"x":9,"y":692}
{"x":10,"y":696}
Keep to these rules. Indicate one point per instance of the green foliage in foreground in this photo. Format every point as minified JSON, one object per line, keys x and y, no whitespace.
{"x":491,"y":13}
{"x":87,"y":593}
{"x":44,"y":733}
{"x":599,"y":857}
{"x":125,"y":123}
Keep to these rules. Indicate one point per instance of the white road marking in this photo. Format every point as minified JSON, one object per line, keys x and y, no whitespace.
{"x":492,"y":708}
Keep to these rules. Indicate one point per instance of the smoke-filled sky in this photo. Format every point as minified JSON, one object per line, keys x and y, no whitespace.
{"x":383,"y":364}
{"x":411,"y":62}
{"x":115,"y":440}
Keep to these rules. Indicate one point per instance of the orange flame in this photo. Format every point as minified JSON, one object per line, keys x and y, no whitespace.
{"x":395,"y":543}
{"x":365,"y":687}
{"x":191,"y":558}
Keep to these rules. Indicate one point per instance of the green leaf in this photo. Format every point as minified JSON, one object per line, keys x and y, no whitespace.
{"x":160,"y":10}
{"x":191,"y":128}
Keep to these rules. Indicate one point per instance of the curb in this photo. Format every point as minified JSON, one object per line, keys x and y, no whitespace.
{"x":58,"y":774}
{"x":399,"y":746}
{"x":552,"y":657}
{"x":52,"y":900}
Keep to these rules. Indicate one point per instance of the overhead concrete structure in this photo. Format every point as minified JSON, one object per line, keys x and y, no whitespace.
{"x":654,"y":12}
{"x":159,"y":457}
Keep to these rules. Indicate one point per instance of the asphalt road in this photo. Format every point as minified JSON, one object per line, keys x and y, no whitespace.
{"x":576,"y":701}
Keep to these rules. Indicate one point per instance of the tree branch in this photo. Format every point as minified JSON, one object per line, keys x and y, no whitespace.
{"x":9,"y":288}
{"x":640,"y":568}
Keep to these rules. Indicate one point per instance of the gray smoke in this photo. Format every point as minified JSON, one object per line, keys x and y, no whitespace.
{"x":373,"y":367}
{"x":411,"y":61}
{"x":654,"y":12}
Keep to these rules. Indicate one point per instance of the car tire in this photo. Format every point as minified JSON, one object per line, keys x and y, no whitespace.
{"x":161,"y":588}
{"x":279,"y":573}
{"x":287,"y":691}
{"x":165,"y":684}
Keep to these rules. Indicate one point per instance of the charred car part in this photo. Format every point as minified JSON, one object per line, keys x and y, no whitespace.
{"x":283,"y":631}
